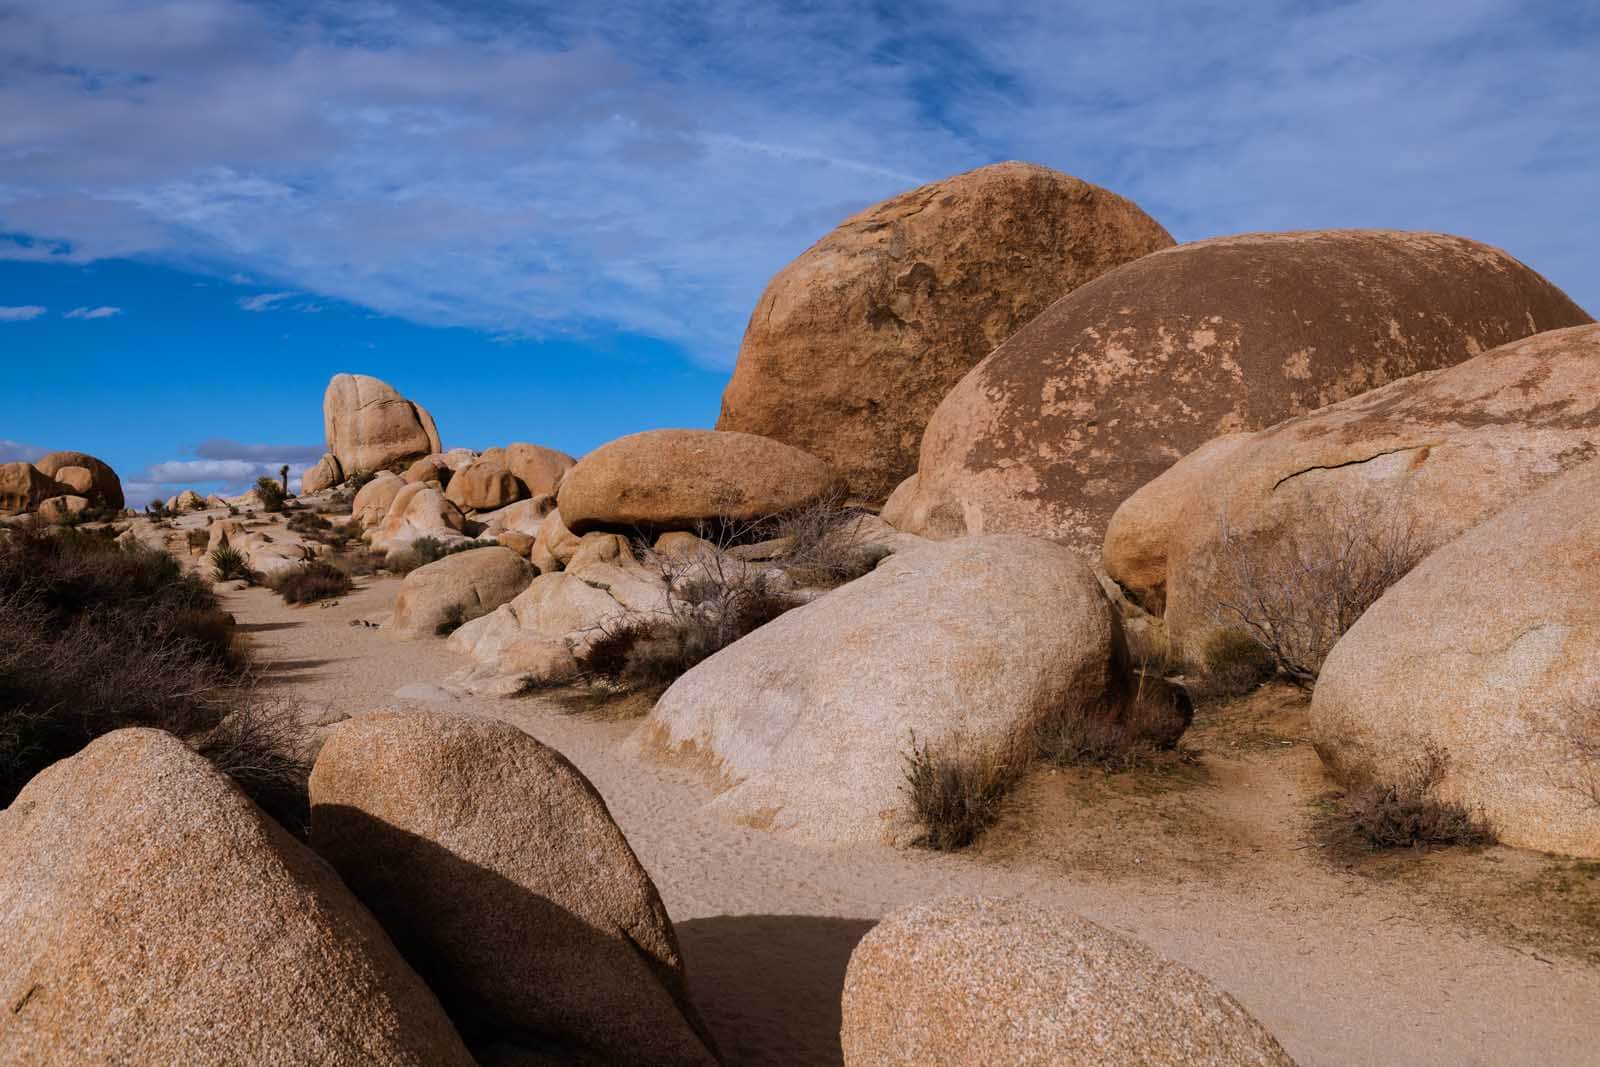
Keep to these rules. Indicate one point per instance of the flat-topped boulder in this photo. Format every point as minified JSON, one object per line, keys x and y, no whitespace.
{"x":854,"y":344}
{"x":371,"y":427}
{"x":153,"y":914}
{"x":676,"y":479}
{"x":1126,"y":374}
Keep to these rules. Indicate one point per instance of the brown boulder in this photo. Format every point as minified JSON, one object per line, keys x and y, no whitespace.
{"x":373,"y":500}
{"x":62,"y":509}
{"x":105,"y":488}
{"x":23,"y":487}
{"x":983,"y":980}
{"x":553,"y":545}
{"x":503,"y":877}
{"x":370,"y":427}
{"x":324,"y":474}
{"x":1486,"y":654}
{"x":153,"y":914}
{"x":539,"y":469}
{"x":854,"y":344}
{"x":430,"y":469}
{"x":1416,"y":462}
{"x":674,"y":479}
{"x":457,"y":588}
{"x":1117,"y":380}
{"x":418,"y":511}
{"x":78,"y":479}
{"x":485,"y":484}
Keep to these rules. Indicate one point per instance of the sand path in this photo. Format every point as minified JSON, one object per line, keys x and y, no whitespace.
{"x":1345,"y":970}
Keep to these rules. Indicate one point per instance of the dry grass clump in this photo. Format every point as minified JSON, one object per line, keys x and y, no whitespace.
{"x":1128,"y":737}
{"x":823,"y":546}
{"x":956,"y":794}
{"x":1407,"y":813}
{"x":1235,"y":664}
{"x":317,"y":580}
{"x":1297,"y":595}
{"x":95,"y":636}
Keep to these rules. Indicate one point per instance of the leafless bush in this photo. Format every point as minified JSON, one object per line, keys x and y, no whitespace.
{"x":261,"y":746}
{"x":1406,"y":813}
{"x":1123,"y":735}
{"x":823,"y":544}
{"x":1297,"y":592}
{"x":956,"y":792}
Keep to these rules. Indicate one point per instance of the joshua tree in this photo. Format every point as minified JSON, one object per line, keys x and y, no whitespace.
{"x":283,"y":473}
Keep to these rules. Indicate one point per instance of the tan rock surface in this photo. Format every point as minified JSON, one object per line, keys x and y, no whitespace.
{"x":373,"y":500}
{"x":458,"y":588}
{"x":324,"y":474}
{"x":80,"y":480}
{"x":371,"y":427}
{"x":62,"y":509}
{"x":972,"y":980}
{"x":499,"y":870}
{"x":1125,"y":375}
{"x":1429,"y":456}
{"x":809,"y":718}
{"x":105,"y":489}
{"x":673,"y":479}
{"x":1488,"y":651}
{"x":23,"y":487}
{"x":153,"y":914}
{"x":538,"y":468}
{"x":854,"y":344}
{"x":485,"y":484}
{"x":553,"y":544}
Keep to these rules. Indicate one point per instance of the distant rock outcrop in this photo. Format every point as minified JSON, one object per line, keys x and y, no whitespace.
{"x":1117,"y":380}
{"x":973,"y":980}
{"x":104,"y":488}
{"x":23,"y":487}
{"x":673,"y":479}
{"x":853,"y":344}
{"x":370,"y":427}
{"x":502,"y":876}
{"x":153,"y":914}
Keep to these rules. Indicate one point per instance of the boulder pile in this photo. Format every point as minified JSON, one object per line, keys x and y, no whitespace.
{"x":59,"y":486}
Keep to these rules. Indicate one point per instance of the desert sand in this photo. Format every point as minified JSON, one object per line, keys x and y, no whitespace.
{"x":1481,"y":958}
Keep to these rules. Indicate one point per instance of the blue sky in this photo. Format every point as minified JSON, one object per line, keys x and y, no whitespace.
{"x":549,"y":222}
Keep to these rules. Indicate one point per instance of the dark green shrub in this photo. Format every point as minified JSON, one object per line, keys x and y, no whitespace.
{"x":272,"y":494}
{"x":229,"y":564}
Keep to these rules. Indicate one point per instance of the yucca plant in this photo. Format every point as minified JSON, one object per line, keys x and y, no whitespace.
{"x":228,"y":563}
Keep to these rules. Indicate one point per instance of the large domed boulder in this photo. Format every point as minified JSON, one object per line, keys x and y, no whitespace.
{"x":104,"y":489}
{"x":1401,"y":469}
{"x":418,"y":511}
{"x":326,"y":473}
{"x":503,"y":877}
{"x":458,"y":588}
{"x":373,"y":500}
{"x":370,"y":427}
{"x":1486,"y":655}
{"x":1121,"y":377}
{"x":23,"y":487}
{"x":485,"y":484}
{"x":854,"y":344}
{"x":674,"y":479}
{"x":966,"y":644}
{"x":983,"y":980}
{"x":153,"y":914}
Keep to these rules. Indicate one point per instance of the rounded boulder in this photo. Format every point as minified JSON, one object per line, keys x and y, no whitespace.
{"x":1120,"y":378}
{"x":676,"y":479}
{"x":458,"y":588}
{"x":371,"y":427}
{"x":854,"y":344}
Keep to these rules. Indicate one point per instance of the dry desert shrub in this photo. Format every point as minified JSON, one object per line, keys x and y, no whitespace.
{"x":822,"y":544}
{"x":1235,"y":663}
{"x":1297,"y":595}
{"x":1405,"y":813}
{"x":96,"y":636}
{"x":317,"y":580}
{"x":956,"y":792}
{"x":1121,"y":738}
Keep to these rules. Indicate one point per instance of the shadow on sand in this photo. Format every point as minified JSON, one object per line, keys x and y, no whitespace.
{"x":768,"y":986}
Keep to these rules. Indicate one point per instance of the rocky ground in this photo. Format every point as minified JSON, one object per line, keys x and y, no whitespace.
{"x":1450,"y":957}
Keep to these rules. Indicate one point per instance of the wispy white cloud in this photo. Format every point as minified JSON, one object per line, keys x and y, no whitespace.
{"x":13,"y":451}
{"x":92,"y":313}
{"x":526,"y":168}
{"x":24,"y":313}
{"x":263,"y":301}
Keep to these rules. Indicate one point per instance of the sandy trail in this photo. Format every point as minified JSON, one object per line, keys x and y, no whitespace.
{"x":1343,"y":969}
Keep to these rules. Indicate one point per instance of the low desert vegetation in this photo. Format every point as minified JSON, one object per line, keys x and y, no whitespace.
{"x":315,"y":526}
{"x":957,"y":793}
{"x":96,"y":636}
{"x":358,"y":479}
{"x":426,"y":550}
{"x":273,"y":494}
{"x":1297,"y":595}
{"x":822,"y":544}
{"x":229,"y":564}
{"x":317,"y":580}
{"x":1405,"y":813}
{"x":1235,"y":663}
